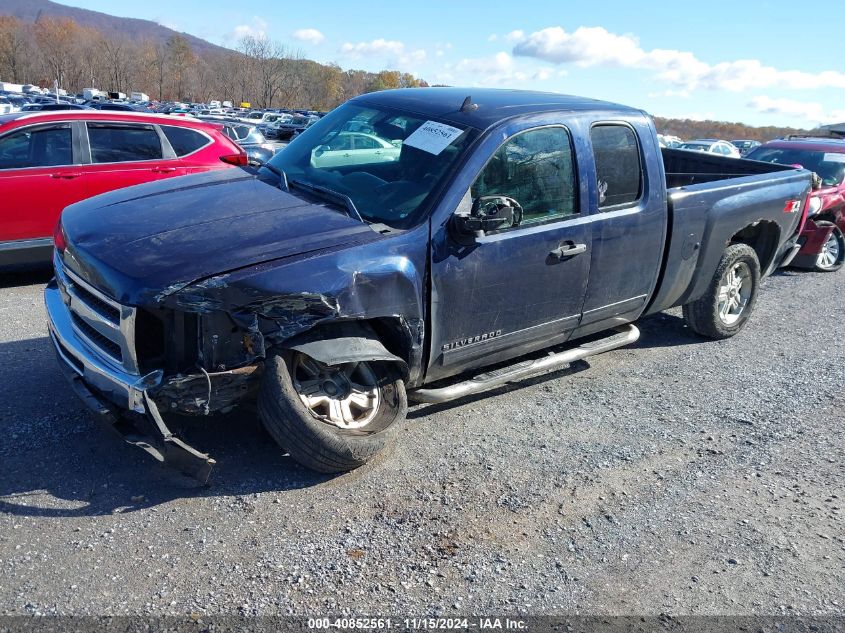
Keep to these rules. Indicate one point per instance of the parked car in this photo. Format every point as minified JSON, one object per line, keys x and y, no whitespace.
{"x":745,"y":146}
{"x":249,"y":137}
{"x":114,"y":107}
{"x":355,"y":148}
{"x":672,"y":142}
{"x":51,"y":106}
{"x":270,"y":126}
{"x":711,"y":146}
{"x":507,"y":225}
{"x":286,"y":129}
{"x":823,"y":237}
{"x":51,"y":160}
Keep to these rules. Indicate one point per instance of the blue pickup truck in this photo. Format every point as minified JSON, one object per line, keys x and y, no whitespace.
{"x":451,"y":236}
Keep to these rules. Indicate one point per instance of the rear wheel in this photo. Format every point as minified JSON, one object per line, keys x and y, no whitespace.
{"x":832,"y":255}
{"x":729,"y":300}
{"x":330,"y":418}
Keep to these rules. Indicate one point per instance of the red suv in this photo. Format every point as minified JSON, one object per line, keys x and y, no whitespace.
{"x":51,"y":160}
{"x":823,"y":235}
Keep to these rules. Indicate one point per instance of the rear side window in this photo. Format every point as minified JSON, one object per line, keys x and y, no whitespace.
{"x":119,"y":142}
{"x":618,"y":167}
{"x":183,"y":140}
{"x":37,"y":147}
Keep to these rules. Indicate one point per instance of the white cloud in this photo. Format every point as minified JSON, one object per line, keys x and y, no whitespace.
{"x":809,"y":112}
{"x":379,"y":47}
{"x":393,"y":51}
{"x":310,"y":36}
{"x":515,"y":36}
{"x":256,"y":28}
{"x":492,"y":37}
{"x":499,"y":70}
{"x":596,"y":46}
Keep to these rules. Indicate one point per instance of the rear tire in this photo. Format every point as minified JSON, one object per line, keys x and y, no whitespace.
{"x":330,"y":433}
{"x":724,"y":309}
{"x":833,"y":250}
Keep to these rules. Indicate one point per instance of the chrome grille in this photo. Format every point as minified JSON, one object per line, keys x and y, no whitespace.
{"x":106,"y":326}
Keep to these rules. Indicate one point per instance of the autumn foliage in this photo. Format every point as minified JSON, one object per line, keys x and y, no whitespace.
{"x":262,"y":72}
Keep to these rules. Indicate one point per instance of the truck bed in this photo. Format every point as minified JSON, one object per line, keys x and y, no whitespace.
{"x":711,"y":197}
{"x":686,"y":167}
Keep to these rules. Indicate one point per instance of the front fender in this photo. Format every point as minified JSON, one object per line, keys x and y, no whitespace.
{"x":344,"y":343}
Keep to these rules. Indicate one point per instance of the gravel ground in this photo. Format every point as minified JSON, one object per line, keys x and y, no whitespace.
{"x":678,"y":476}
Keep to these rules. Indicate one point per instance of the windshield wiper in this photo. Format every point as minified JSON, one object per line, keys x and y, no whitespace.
{"x":283,"y":177}
{"x":351,"y":210}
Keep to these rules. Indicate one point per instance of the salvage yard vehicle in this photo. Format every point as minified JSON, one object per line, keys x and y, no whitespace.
{"x":511,"y":222}
{"x":711,"y":146}
{"x":51,"y":160}
{"x":823,"y":238}
{"x":354,"y":148}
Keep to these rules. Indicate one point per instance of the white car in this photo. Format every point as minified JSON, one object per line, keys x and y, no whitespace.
{"x":355,"y":148}
{"x":6,"y":106}
{"x":712,"y":146}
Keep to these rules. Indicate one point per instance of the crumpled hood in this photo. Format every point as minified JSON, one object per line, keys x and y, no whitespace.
{"x":145,"y":242}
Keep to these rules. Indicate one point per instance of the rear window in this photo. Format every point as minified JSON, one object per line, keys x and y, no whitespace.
{"x":255,"y":137}
{"x":618,"y":168}
{"x":119,"y":143}
{"x":184,"y":141}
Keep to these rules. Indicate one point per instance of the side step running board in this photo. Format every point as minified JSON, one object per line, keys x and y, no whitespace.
{"x":625,"y":335}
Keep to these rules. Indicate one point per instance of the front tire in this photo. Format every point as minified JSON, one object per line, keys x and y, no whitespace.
{"x":727,"y":304}
{"x":330,"y":419}
{"x":832,"y":255}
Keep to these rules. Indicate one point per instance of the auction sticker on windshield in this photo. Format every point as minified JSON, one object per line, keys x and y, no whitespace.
{"x":829,"y":157}
{"x":433,"y":137}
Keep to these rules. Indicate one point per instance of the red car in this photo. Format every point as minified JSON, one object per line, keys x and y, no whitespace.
{"x":53,"y":159}
{"x":823,"y":236}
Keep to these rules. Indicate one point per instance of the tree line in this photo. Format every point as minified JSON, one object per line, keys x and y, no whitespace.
{"x":263,"y":72}
{"x":688,"y":130}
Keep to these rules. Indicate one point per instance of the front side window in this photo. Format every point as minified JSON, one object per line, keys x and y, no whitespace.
{"x":618,"y":169}
{"x":37,"y":147}
{"x":535,"y":168}
{"x":119,"y":142}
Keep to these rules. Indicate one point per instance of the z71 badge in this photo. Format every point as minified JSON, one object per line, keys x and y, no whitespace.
{"x":470,"y":340}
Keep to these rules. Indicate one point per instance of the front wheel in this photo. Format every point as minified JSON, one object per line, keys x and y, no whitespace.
{"x":330,"y":418}
{"x":727,"y":304}
{"x":832,"y":255}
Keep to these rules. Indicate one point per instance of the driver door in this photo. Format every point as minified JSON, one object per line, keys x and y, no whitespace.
{"x":515,"y":289}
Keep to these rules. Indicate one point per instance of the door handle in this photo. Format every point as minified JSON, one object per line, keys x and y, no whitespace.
{"x":568,"y":250}
{"x":66,"y":175}
{"x":163,"y":170}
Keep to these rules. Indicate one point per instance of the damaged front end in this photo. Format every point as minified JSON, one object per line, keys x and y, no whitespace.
{"x":198,"y":348}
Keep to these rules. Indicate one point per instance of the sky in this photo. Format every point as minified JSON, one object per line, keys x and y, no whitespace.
{"x":774,"y":62}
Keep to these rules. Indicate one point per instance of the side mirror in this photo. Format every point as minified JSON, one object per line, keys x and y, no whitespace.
{"x":488,"y":213}
{"x":320,"y":150}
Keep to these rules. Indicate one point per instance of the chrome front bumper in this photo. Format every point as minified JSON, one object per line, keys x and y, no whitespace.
{"x":123,"y":389}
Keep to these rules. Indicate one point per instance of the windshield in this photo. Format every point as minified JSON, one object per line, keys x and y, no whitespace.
{"x":701,"y":147}
{"x":830,"y":166}
{"x":388,"y":172}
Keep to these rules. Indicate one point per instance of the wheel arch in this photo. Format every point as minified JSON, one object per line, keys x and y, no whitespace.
{"x":376,"y":340}
{"x":762,"y":236}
